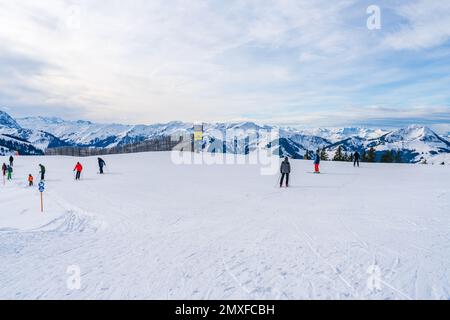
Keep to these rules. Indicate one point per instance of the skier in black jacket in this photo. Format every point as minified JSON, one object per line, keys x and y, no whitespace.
{"x":42,"y":171}
{"x":356,"y":158}
{"x":11,"y":161}
{"x":101,"y":164}
{"x":285,"y":170}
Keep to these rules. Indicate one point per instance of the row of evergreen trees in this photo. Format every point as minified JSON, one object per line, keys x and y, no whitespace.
{"x":389,"y":156}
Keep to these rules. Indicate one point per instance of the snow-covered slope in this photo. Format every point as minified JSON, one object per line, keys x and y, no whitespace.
{"x":151,"y":229}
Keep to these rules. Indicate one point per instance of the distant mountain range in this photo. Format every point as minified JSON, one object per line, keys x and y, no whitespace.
{"x":32,"y":135}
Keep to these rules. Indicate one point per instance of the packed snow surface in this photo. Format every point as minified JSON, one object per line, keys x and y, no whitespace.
{"x":152,"y":229}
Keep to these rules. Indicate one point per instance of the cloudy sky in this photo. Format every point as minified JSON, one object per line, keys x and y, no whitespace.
{"x":296,"y":62}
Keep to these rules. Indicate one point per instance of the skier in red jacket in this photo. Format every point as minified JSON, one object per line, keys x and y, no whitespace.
{"x":78,"y":169}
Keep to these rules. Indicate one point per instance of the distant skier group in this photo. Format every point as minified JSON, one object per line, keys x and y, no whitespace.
{"x":285,"y":168}
{"x":7,"y":170}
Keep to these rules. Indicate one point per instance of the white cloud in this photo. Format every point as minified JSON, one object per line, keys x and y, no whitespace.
{"x":428,"y":25}
{"x":149,"y":61}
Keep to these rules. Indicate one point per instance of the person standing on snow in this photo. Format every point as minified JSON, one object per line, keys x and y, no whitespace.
{"x":30,"y":180}
{"x":316,"y":162}
{"x":285,"y":170}
{"x":4,"y":169}
{"x":78,"y":168}
{"x":11,"y":160}
{"x":101,"y":164}
{"x":42,"y":171}
{"x":356,"y":158}
{"x":9,"y":171}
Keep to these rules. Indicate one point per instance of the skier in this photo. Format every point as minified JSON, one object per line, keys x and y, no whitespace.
{"x":316,"y":162}
{"x":101,"y":164}
{"x":9,"y":171}
{"x":78,"y":169}
{"x":356,"y":157}
{"x":285,"y":170}
{"x":11,"y":160}
{"x":30,"y":180}
{"x":42,"y":171}
{"x":4,"y":169}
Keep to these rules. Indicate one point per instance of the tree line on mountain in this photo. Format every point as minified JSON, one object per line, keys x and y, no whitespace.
{"x":152,"y":145}
{"x":370,"y":155}
{"x":8,"y":145}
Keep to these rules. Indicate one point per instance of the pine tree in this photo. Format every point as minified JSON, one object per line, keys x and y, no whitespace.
{"x":306,"y":157}
{"x":323,"y":155}
{"x":398,"y":157}
{"x":393,"y":155}
{"x":338,"y":156}
{"x":371,"y":157}
{"x":350,"y":157}
{"x":387,"y":156}
{"x":364,"y":156}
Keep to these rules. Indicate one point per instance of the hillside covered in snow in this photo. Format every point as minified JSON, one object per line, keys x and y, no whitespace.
{"x":151,"y":229}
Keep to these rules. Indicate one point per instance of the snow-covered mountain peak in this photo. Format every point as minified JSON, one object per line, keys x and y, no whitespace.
{"x":47,"y":120}
{"x":244,"y":126}
{"x":412,"y":133}
{"x":83,"y":122}
{"x":7,"y":121}
{"x":339,"y":134}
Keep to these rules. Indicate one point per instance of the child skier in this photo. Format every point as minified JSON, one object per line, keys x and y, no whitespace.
{"x":9,"y":171}
{"x":78,"y":169}
{"x":317,"y":162}
{"x":30,"y":180}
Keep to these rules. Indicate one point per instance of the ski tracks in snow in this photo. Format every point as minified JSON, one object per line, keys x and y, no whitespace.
{"x":309,"y":241}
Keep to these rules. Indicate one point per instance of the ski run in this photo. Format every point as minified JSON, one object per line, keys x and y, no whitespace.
{"x":151,"y":229}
